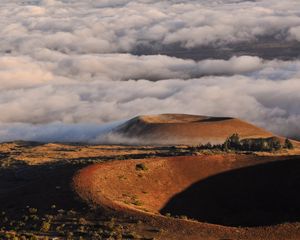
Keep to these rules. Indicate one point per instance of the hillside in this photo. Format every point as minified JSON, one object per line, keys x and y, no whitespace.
{"x":201,"y":197}
{"x":180,"y":129}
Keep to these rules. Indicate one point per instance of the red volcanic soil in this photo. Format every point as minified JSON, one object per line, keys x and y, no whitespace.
{"x":231,"y":196}
{"x":176,"y":129}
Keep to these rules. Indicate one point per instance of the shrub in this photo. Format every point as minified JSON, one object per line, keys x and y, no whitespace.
{"x":69,"y":235}
{"x":33,"y":237}
{"x":261,"y":144}
{"x":275,"y":143}
{"x":45,"y":226}
{"x":232,"y":142}
{"x":137,"y":202}
{"x":34,"y":217}
{"x":32,"y":210}
{"x":82,"y":221}
{"x":132,"y":235}
{"x":288,"y":144}
{"x":141,"y":167}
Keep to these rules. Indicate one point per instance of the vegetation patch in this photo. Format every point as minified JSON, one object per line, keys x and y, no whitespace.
{"x":235,"y":143}
{"x":61,"y":226}
{"x":141,"y":167}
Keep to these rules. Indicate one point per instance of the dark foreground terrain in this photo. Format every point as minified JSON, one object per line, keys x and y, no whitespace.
{"x":38,"y":199}
{"x":260,"y":195}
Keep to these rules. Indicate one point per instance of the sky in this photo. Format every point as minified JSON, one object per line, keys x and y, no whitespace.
{"x":70,"y":70}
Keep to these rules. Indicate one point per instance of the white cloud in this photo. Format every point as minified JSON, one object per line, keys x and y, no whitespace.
{"x":268,"y":103}
{"x":295,"y":33}
{"x":72,"y":62}
{"x":112,"y":26}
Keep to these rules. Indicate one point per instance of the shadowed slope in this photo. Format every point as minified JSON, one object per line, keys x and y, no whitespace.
{"x":264,"y":194}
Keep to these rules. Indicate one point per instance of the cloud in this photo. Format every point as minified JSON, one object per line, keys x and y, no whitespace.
{"x":295,"y":33}
{"x":17,"y":72}
{"x":67,"y":67}
{"x":55,"y":132}
{"x":20,"y":71}
{"x":84,"y":27}
{"x":268,"y":103}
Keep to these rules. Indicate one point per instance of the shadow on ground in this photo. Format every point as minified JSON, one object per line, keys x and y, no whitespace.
{"x":38,"y":186}
{"x":260,"y":195}
{"x":44,"y":185}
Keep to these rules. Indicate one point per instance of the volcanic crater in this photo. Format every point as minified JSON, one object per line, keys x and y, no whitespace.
{"x":245,"y":195}
{"x":232,"y":190}
{"x":178,"y":129}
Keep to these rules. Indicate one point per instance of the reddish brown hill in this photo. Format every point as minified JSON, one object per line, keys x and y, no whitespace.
{"x":177,"y":129}
{"x":229,"y":190}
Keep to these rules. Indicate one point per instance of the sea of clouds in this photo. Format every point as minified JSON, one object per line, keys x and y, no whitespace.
{"x":70,"y":69}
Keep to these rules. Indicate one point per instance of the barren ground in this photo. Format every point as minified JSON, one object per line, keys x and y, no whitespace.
{"x":242,"y":196}
{"x":36,"y":189}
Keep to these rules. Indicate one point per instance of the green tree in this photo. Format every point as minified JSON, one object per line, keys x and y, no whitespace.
{"x":233,"y":142}
{"x":275,"y":143}
{"x":288,"y":144}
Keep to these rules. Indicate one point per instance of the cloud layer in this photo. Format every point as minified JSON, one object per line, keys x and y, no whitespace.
{"x":67,"y":67}
{"x":114,"y":26}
